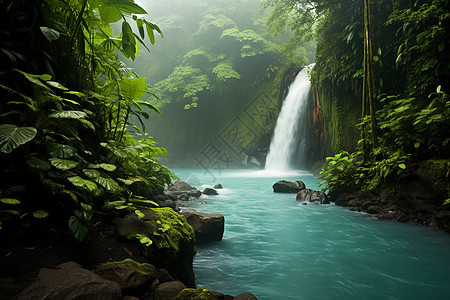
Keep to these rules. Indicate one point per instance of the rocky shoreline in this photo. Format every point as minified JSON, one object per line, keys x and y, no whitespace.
{"x":118,"y":262}
{"x":418,"y":202}
{"x":126,"y":256}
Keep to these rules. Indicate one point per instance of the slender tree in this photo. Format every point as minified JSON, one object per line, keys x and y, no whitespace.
{"x":368,"y":85}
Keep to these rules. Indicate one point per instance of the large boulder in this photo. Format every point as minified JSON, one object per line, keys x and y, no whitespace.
{"x":173,"y":240}
{"x":70,"y":281}
{"x":128,"y":273}
{"x":168,"y":290}
{"x":284,"y":186}
{"x":180,"y":190}
{"x":210,"y":191}
{"x":207,"y":227}
{"x":245,"y":296}
{"x":309,"y":196}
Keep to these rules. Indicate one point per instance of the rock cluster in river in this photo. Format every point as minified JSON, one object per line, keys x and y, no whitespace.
{"x":183,"y":191}
{"x":114,"y":281}
{"x":307,"y":196}
{"x":284,"y":186}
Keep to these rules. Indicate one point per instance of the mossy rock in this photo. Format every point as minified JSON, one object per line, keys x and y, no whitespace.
{"x":436,"y":172}
{"x":128,"y":273}
{"x":172,"y":239}
{"x":198,"y":294}
{"x":170,"y":229}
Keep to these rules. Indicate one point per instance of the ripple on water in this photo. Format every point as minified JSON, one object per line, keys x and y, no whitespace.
{"x":276,"y":248}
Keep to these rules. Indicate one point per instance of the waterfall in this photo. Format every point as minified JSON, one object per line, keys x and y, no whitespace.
{"x":291,"y":120}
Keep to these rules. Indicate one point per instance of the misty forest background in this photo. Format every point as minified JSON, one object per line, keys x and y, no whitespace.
{"x":81,"y":97}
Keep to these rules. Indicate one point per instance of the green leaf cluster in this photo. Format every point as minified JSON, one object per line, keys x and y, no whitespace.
{"x":65,"y":145}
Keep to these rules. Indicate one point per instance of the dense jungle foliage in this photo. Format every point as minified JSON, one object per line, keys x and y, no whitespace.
{"x":67,"y":147}
{"x":212,"y":48}
{"x":216,"y":64}
{"x":73,"y":115}
{"x":410,"y":76}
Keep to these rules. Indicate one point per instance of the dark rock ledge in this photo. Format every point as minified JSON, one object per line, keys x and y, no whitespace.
{"x":418,"y":202}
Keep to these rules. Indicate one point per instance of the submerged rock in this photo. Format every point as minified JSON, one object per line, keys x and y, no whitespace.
{"x":207,"y":227}
{"x":70,"y":281}
{"x":309,"y":196}
{"x":209,"y":191}
{"x":284,"y":186}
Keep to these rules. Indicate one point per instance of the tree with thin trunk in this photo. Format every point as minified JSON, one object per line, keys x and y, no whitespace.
{"x":368,"y":81}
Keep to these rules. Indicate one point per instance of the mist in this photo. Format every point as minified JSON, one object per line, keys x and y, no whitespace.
{"x":217,"y":73}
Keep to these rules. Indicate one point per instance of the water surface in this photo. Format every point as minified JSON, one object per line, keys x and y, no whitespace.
{"x":276,"y":248}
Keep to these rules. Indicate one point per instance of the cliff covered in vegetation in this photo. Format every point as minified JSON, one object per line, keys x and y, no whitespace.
{"x":381,"y":103}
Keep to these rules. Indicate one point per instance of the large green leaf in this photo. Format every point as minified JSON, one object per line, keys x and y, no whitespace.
{"x":109,"y":184}
{"x":149,"y":105}
{"x":40,"y":214}
{"x":78,"y":227}
{"x":91,"y":173}
{"x":35,"y":78}
{"x":132,"y":89}
{"x":150,"y":33}
{"x":50,"y":34}
{"x":128,"y":41}
{"x":10,"y":201}
{"x":83,"y":184}
{"x":140,"y":25}
{"x":104,"y":166}
{"x":37,"y":163}
{"x":61,"y":150}
{"x":109,"y":14}
{"x":63,"y":164}
{"x":125,"y":6}
{"x":57,"y":85}
{"x":12,"y":136}
{"x":69,"y":114}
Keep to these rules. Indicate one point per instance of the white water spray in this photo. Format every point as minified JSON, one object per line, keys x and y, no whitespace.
{"x":290,"y":120}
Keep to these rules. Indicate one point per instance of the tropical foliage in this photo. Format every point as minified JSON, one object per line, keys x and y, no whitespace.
{"x":410,"y":66}
{"x":213,"y":50}
{"x":67,"y":100}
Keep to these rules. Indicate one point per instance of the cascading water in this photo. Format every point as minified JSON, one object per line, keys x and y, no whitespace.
{"x":289,"y":123}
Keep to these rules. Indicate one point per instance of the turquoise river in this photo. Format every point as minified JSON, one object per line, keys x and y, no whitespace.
{"x":277,"y":248}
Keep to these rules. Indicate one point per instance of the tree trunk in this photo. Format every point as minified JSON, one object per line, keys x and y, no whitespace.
{"x":368,"y":74}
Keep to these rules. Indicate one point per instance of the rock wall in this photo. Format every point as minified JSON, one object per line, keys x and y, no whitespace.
{"x":332,"y":117}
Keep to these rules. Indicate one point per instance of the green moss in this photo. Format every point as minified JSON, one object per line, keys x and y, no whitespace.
{"x":198,"y":294}
{"x":341,"y":113}
{"x":170,"y":229}
{"x":143,"y":268}
{"x":129,"y":264}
